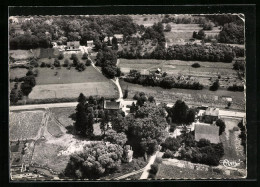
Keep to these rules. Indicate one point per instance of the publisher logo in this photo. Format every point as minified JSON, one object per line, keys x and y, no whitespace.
{"x":228,"y":163}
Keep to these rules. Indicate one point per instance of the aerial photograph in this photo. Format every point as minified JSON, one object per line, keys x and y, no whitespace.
{"x":127,"y":97}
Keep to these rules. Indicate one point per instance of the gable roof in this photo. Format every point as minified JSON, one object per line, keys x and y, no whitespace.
{"x":206,"y":131}
{"x":111,"y":105}
{"x":212,"y":111}
{"x":71,"y":44}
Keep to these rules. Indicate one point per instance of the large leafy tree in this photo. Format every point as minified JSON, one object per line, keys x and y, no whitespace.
{"x":97,"y":159}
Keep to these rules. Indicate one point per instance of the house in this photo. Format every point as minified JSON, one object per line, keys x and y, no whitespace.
{"x":207,"y":131}
{"x":119,"y":37}
{"x":73,"y":46}
{"x":90,"y":43}
{"x":112,"y":105}
{"x":210,"y":115}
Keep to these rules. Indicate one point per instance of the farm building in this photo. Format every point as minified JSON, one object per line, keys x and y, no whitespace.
{"x":112,"y":105}
{"x":119,"y":37}
{"x":206,"y":131}
{"x":73,"y":46}
{"x":90,"y":43}
{"x":210,"y":115}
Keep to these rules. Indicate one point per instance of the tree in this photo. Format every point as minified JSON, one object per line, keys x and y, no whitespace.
{"x":172,"y":144}
{"x":201,"y":35}
{"x":88,"y":62}
{"x":85,"y":56}
{"x":179,"y":112}
{"x":29,"y":73}
{"x":222,"y":126}
{"x":80,"y":66}
{"x":232,"y":33}
{"x":82,"y":99}
{"x":56,"y":63}
{"x":214,"y":86}
{"x":61,"y":56}
{"x":168,"y":28}
{"x":81,"y":119}
{"x":151,"y":99}
{"x":97,"y":159}
{"x":125,"y":94}
{"x":191,"y":116}
{"x":115,"y":138}
{"x":76,"y":61}
{"x":194,"y":35}
{"x":90,"y":122}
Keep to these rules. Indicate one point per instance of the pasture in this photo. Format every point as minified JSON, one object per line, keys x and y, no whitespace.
{"x":191,"y":97}
{"x":24,"y":125}
{"x":105,"y":89}
{"x":65,"y":76}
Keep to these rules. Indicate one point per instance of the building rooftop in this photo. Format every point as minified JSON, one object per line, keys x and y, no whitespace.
{"x":212,"y":111}
{"x":112,"y":105}
{"x":119,"y":36}
{"x":206,"y":131}
{"x":73,"y":44}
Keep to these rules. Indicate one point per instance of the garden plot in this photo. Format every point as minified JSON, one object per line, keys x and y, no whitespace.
{"x":24,"y":125}
{"x":64,"y":115}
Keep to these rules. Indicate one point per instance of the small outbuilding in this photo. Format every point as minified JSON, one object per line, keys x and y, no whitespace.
{"x":210,"y":115}
{"x":112,"y":105}
{"x":73,"y":46}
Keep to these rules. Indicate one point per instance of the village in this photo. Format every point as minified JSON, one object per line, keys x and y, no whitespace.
{"x":132,"y":102}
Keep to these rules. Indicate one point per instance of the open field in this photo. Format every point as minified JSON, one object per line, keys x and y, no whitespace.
{"x":17,"y":72}
{"x":46,"y":155}
{"x":53,"y":128}
{"x":146,"y":20}
{"x":105,"y":89}
{"x":20,"y":54}
{"x":191,"y":97}
{"x":65,"y":76}
{"x":24,"y":125}
{"x":174,"y":172}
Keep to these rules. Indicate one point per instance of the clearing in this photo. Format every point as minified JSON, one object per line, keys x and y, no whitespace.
{"x":17,"y":72}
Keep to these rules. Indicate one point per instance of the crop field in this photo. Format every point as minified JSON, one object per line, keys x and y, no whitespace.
{"x":65,"y":76}
{"x":174,"y":172}
{"x":64,"y":115}
{"x":53,"y":128}
{"x":24,"y":125}
{"x":105,"y":89}
{"x":191,"y":97}
{"x":17,"y":72}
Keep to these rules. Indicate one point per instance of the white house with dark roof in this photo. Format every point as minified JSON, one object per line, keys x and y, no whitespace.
{"x":73,"y":46}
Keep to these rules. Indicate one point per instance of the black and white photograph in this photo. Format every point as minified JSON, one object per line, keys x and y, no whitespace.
{"x":127,"y":97}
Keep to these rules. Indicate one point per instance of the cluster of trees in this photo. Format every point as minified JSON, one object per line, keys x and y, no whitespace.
{"x":15,"y":94}
{"x":44,"y":29}
{"x":107,"y":59}
{"x":180,"y":113}
{"x":239,"y":65}
{"x":213,"y":53}
{"x":236,"y":88}
{"x":242,"y":135}
{"x":191,"y":20}
{"x":155,"y":32}
{"x":222,"y":126}
{"x":232,"y":33}
{"x":200,"y":35}
{"x":197,"y":152}
{"x":164,"y":81}
{"x":96,"y":160}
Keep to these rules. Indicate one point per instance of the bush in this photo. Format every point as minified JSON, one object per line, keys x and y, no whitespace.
{"x":236,"y":88}
{"x":43,"y":65}
{"x":88,"y":62}
{"x":154,"y":169}
{"x":61,"y":56}
{"x":66,"y":63}
{"x":214,"y":86}
{"x":84,"y":56}
{"x":195,"y":65}
{"x":56,"y":63}
{"x":168,"y":154}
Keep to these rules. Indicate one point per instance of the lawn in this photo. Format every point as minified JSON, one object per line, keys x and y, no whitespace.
{"x":24,"y":125}
{"x":17,"y":72}
{"x":48,"y":91}
{"x":21,"y":54}
{"x":191,"y":97}
{"x":46,"y":155}
{"x":146,"y":20}
{"x":64,"y":115}
{"x":174,"y":172}
{"x":65,"y":76}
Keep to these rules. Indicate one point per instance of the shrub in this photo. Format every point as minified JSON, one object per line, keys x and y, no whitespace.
{"x":73,"y":56}
{"x":80,"y":67}
{"x":195,"y":65}
{"x":154,"y":169}
{"x":168,"y":154}
{"x":88,"y":62}
{"x":61,"y":56}
{"x":222,"y":126}
{"x":236,"y":88}
{"x":214,"y":86}
{"x":85,"y":56}
{"x":66,"y":63}
{"x":56,"y":63}
{"x":43,"y":65}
